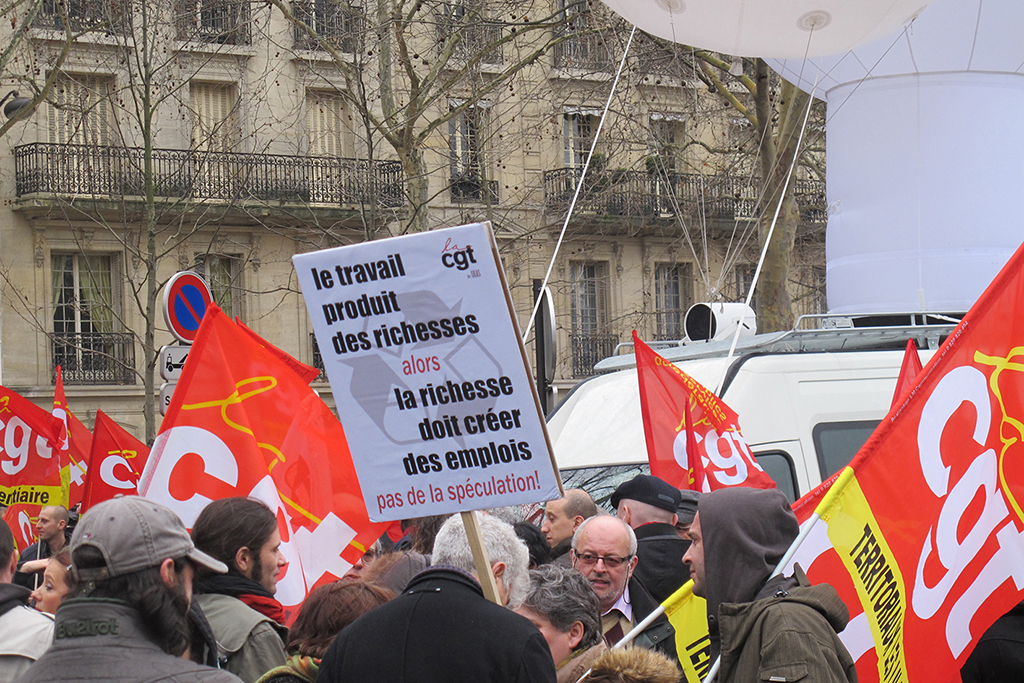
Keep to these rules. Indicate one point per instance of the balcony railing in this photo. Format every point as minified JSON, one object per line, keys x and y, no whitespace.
{"x":110,"y":16}
{"x":95,"y":357}
{"x":476,"y":38}
{"x":115,"y":172}
{"x":578,"y":50}
{"x":474,"y":190}
{"x":213,"y":21}
{"x":341,"y":26}
{"x":641,"y":194}
{"x":318,"y":359}
{"x":588,"y":349}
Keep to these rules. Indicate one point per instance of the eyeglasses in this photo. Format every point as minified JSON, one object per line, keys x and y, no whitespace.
{"x":610,"y":561}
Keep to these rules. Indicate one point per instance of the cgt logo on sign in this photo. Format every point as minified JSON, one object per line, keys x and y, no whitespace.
{"x":453,"y":256}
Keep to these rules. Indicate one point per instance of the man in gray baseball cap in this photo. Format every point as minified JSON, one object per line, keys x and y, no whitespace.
{"x":128,"y":621}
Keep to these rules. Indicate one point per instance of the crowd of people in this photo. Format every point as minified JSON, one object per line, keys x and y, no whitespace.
{"x":130,"y":595}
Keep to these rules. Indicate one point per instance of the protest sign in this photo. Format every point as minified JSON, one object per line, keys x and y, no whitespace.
{"x":424,"y":357}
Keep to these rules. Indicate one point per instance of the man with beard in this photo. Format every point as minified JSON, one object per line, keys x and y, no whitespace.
{"x":763,"y":627}
{"x":247,"y":621}
{"x":128,"y":623}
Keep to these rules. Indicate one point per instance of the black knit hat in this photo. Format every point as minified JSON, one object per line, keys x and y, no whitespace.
{"x":648,"y":489}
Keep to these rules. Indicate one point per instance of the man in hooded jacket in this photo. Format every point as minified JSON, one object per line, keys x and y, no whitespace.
{"x":770,"y":628}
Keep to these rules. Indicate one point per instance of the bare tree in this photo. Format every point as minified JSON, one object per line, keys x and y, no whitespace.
{"x":412,"y":68}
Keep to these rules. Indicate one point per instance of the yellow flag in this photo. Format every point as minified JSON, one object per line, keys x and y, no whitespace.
{"x":688,"y":615}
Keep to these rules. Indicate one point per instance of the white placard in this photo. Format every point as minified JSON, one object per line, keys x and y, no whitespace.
{"x":429,"y":373}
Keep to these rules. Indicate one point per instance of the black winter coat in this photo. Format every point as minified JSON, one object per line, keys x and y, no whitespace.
{"x":440,"y":630}
{"x":661,"y":569}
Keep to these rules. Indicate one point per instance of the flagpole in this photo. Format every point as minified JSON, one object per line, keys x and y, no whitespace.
{"x":826,"y":502}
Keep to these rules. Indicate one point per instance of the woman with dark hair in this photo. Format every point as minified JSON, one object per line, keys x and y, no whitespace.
{"x":533,"y":537}
{"x":324,"y":614}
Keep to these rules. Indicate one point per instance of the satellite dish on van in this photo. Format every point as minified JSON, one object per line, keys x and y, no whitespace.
{"x":717,"y":321}
{"x":782,"y":29}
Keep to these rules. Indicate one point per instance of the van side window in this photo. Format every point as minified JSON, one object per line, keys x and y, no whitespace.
{"x":779,"y":466}
{"x":837,"y":442}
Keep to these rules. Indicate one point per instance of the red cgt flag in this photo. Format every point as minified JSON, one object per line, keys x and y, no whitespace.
{"x":75,"y":444}
{"x":909,"y":370}
{"x":923,"y":533}
{"x":307,"y":372}
{"x":674,"y":406}
{"x":118,"y":459}
{"x":243,"y":423}
{"x":29,"y":469}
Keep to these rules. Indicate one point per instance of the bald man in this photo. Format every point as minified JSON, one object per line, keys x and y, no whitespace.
{"x":51,"y":529}
{"x":562,"y":518}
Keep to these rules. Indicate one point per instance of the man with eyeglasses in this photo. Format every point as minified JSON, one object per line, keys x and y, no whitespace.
{"x":604,"y":551}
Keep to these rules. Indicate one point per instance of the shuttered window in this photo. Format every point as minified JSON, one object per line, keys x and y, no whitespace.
{"x":79,"y":110}
{"x":214,"y":117}
{"x":325,"y":124}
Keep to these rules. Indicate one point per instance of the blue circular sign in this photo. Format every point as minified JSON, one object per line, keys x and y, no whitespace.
{"x":186,"y":299}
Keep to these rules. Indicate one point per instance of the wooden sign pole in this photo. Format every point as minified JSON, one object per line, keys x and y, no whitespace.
{"x":480,"y":559}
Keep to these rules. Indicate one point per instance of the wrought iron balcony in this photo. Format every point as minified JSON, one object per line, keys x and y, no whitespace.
{"x":639,"y":194}
{"x":580,"y":50}
{"x":474,"y":190}
{"x":318,"y":359}
{"x":213,"y":21}
{"x":116,"y":172}
{"x":476,"y":38}
{"x":95,"y":357}
{"x":340,"y":25}
{"x":588,"y":349}
{"x":109,"y":16}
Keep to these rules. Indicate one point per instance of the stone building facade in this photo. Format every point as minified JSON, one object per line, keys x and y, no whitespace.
{"x":260,"y":150}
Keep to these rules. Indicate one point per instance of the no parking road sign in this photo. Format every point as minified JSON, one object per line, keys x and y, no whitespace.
{"x":186,"y":299}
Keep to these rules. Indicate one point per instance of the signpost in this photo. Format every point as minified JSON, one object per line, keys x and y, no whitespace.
{"x":172,"y":360}
{"x":166,"y":390}
{"x":425,"y":360}
{"x":186,"y":298}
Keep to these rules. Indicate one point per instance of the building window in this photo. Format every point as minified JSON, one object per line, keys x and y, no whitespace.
{"x":465,"y":154}
{"x":743,"y":278}
{"x":664,"y":143}
{"x":215,"y":134}
{"x":79,"y":111}
{"x":588,"y":302}
{"x":469,"y":34}
{"x":818,"y":275}
{"x":583,"y":48}
{"x":337,"y":23}
{"x":672,"y":298}
{"x":86,"y":15}
{"x":224,"y":276}
{"x":326,"y":125}
{"x":86,"y":313}
{"x":577,"y":135}
{"x":213,"y":21}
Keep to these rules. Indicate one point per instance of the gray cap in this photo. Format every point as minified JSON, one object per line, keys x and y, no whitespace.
{"x":132,"y":534}
{"x":688,"y":506}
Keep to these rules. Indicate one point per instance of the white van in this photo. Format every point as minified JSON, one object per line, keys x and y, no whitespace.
{"x":807,"y":399}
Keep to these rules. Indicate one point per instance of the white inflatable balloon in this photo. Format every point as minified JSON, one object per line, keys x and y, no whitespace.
{"x":769,"y":28}
{"x":924,"y":158}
